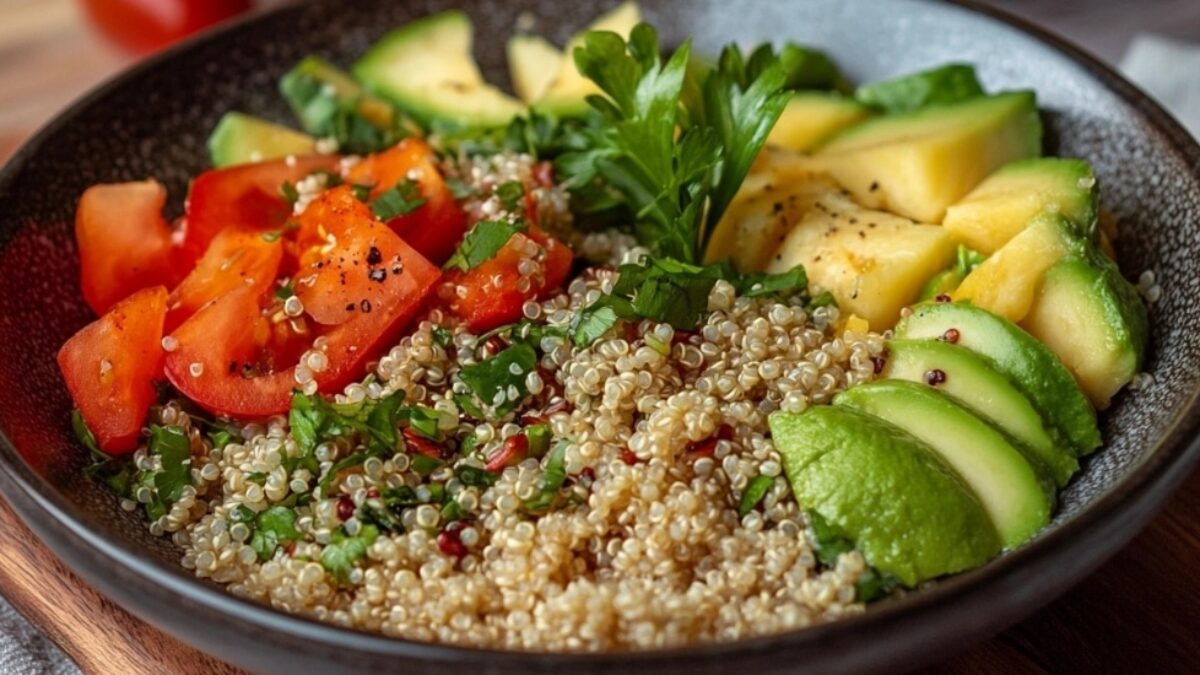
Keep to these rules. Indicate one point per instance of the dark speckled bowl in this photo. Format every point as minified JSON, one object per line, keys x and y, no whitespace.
{"x":153,"y":120}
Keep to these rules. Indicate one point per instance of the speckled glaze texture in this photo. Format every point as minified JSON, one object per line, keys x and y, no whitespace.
{"x":154,"y":120}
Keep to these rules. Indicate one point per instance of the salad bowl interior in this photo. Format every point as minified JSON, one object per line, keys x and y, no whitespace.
{"x":152,"y":122}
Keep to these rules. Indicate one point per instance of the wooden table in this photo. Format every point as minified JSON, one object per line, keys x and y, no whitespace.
{"x":1138,"y":613}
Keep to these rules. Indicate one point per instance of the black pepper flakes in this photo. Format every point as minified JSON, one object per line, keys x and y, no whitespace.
{"x":350,"y":307}
{"x":374,"y":257}
{"x":365,"y":305}
{"x":874,"y":186}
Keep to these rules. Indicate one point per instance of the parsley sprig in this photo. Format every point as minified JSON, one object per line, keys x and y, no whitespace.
{"x":676,"y":160}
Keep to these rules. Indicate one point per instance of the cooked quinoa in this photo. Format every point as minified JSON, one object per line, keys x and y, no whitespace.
{"x":659,"y":434}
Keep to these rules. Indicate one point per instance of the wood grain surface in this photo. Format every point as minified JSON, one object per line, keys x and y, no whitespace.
{"x":1139,"y":613}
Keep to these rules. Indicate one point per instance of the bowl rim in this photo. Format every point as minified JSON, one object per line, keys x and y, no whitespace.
{"x":1136,"y":495}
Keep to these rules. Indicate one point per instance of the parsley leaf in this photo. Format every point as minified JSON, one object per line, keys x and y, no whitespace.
{"x":343,"y":552}
{"x":794,"y":280}
{"x":174,"y":449}
{"x":475,"y":477}
{"x":442,"y":336}
{"x":289,"y":193}
{"x":402,"y":199}
{"x":554,"y":474}
{"x":946,"y":84}
{"x":86,"y":438}
{"x":828,"y":541}
{"x":460,"y":189}
{"x":873,"y":585}
{"x":754,"y":493}
{"x":284,"y":292}
{"x":511,"y":195}
{"x":499,"y":382}
{"x":275,"y":526}
{"x":482,"y":243}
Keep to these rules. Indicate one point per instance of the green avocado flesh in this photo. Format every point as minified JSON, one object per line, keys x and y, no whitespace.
{"x":427,"y":69}
{"x":239,"y":138}
{"x":1093,"y":319}
{"x":909,"y":513}
{"x":1017,"y":355}
{"x":1016,"y":498}
{"x":971,"y":381}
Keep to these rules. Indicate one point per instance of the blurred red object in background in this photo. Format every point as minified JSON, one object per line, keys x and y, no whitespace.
{"x":143,"y":26}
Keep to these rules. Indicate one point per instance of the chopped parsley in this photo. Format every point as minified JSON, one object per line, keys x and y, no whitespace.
{"x":472,"y":476}
{"x":511,"y":195}
{"x":443,"y":336}
{"x":499,"y":382}
{"x":343,"y":552}
{"x":828,"y":541}
{"x":483,"y":242}
{"x":754,"y":493}
{"x":86,"y":438}
{"x":289,"y":193}
{"x":174,"y":450}
{"x":284,"y":292}
{"x":554,"y":474}
{"x":401,"y":199}
{"x":275,"y":526}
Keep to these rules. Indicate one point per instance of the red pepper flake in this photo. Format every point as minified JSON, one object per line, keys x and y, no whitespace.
{"x":951,"y":335}
{"x":628,"y":457}
{"x":935,"y":377}
{"x":942,"y":298}
{"x":420,"y":444}
{"x":705,"y":448}
{"x":496,"y":344}
{"x":543,"y":174}
{"x":514,"y":450}
{"x":345,"y":508}
{"x":449,"y":541}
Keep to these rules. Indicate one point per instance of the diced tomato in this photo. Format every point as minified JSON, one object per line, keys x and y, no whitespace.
{"x":228,"y":356}
{"x":110,"y":367}
{"x":246,"y":197}
{"x":325,"y":219}
{"x":436,"y":227}
{"x":235,"y":258}
{"x":494,"y":293}
{"x":124,"y":243}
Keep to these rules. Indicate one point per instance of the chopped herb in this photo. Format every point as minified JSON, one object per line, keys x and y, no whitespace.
{"x":399,"y":497}
{"x":475,"y":477}
{"x":289,"y":193}
{"x":468,"y":443}
{"x":539,"y":439}
{"x":256,"y":477}
{"x":424,"y":464}
{"x":361,"y":192}
{"x":554,"y":474}
{"x":785,"y":283}
{"x":275,"y":526}
{"x":174,"y":450}
{"x":460,"y":189}
{"x":85,"y":436}
{"x":755,"y":491}
{"x":494,"y":380}
{"x":452,"y":511}
{"x":242,"y":514}
{"x":334,"y":107}
{"x":511,"y":195}
{"x":284,"y":292}
{"x":828,"y":541}
{"x":442,"y":336}
{"x":873,"y":585}
{"x":823,"y":299}
{"x":344,"y":552}
{"x":272,"y":236}
{"x":220,"y":438}
{"x":402,"y":199}
{"x":599,"y":317}
{"x":482,"y":243}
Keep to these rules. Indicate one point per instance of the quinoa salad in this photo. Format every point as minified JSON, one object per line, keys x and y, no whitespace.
{"x":665,"y":349}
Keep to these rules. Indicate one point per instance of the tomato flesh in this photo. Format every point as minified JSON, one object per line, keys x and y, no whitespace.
{"x":245,"y":197}
{"x":145,"y":25}
{"x":494,"y":293}
{"x":436,"y":227}
{"x":124,"y":242}
{"x":235,"y":258}
{"x":243,"y":373}
{"x":110,"y":366}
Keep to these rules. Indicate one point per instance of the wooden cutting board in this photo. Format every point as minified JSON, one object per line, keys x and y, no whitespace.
{"x":1139,"y":613}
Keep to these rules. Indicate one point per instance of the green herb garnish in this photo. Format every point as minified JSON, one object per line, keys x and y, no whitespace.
{"x":754,"y":493}
{"x":554,"y":474}
{"x":344,"y":552}
{"x":483,"y":242}
{"x":475,"y":477}
{"x":289,"y":193}
{"x":499,"y":382}
{"x":401,"y":199}
{"x":275,"y":526}
{"x":511,"y":195}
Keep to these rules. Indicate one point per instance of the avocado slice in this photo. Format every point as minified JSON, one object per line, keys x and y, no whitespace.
{"x":240,"y":138}
{"x":812,"y":116}
{"x":1017,"y":355}
{"x":1093,"y":319}
{"x":951,"y":83}
{"x":1009,"y":487}
{"x":533,"y":63}
{"x":971,"y":381}
{"x":329,"y":103}
{"x":918,"y":163}
{"x":909,"y":513}
{"x":1004,"y":203}
{"x":1007,"y":282}
{"x":948,"y":281}
{"x":567,"y":94}
{"x":426,"y":68}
